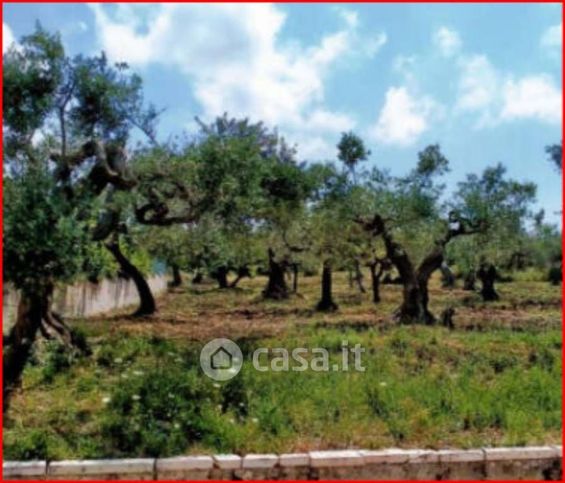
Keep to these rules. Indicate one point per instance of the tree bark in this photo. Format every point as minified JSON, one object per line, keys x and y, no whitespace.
{"x":414,"y":307}
{"x":469,"y":281}
{"x":555,"y":274}
{"x":147,"y":304}
{"x":34,"y":315}
{"x":447,"y":277}
{"x":326,"y":303}
{"x":376,"y":281}
{"x":276,"y":288}
{"x":20,"y":341}
{"x":359,"y":277}
{"x":487,"y":276}
{"x":221,"y":276}
{"x":177,"y":278}
{"x":241,"y":273}
{"x":197,"y":278}
{"x":295,"y":278}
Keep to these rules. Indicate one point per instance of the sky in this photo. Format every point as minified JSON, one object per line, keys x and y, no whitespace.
{"x":482,"y":80}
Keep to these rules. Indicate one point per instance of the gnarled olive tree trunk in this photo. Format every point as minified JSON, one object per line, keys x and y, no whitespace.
{"x":147,"y":304}
{"x":34,"y":315}
{"x":242,"y":272}
{"x":359,"y":277}
{"x":327,"y":303}
{"x":469,"y":280}
{"x":415,"y":298}
{"x":447,"y":277}
{"x":295,"y":278}
{"x":19,"y":343}
{"x":276,"y":286}
{"x":487,"y":275}
{"x":376,"y":279}
{"x":221,"y":276}
{"x":177,"y":278}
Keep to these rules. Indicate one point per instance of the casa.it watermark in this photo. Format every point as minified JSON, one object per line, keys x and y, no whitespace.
{"x":222,"y":359}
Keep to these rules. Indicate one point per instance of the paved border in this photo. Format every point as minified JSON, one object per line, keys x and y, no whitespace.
{"x":533,"y":462}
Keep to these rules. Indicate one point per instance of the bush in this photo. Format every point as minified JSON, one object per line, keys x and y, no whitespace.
{"x":29,"y":445}
{"x":160,"y":413}
{"x":58,"y":358}
{"x":531,"y":274}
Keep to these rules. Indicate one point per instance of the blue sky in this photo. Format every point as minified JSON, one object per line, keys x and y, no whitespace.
{"x":484,"y":81}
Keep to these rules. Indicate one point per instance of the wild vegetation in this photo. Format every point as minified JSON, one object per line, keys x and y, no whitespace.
{"x":494,"y":379}
{"x":264,"y":249}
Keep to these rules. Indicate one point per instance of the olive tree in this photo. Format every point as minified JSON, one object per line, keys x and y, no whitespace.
{"x":501,"y":206}
{"x":65,"y":127}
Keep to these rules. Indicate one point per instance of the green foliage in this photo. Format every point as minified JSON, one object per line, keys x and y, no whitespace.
{"x":168,"y":244}
{"x":32,"y":74}
{"x":109,"y":101}
{"x":51,"y":191}
{"x":156,"y":414}
{"x":497,"y":383}
{"x":555,"y":153}
{"x":351,"y":150}
{"x":98,"y":262}
{"x":44,"y":239}
{"x":500,"y":206}
{"x":32,"y":445}
{"x":95,"y":98}
{"x":57,"y":360}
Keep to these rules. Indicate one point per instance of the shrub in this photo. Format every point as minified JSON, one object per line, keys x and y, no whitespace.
{"x":29,"y":445}
{"x":58,"y":357}
{"x":157,"y":414}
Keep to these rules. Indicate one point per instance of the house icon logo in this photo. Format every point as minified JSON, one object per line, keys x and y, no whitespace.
{"x":221,"y":359}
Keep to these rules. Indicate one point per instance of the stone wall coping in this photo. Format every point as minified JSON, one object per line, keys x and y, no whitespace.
{"x":24,"y":468}
{"x":151,"y":467}
{"x":99,"y":467}
{"x":180,"y":463}
{"x":388,"y":456}
{"x":525,"y":453}
{"x":460,"y":456}
{"x":294,"y":459}
{"x":259,"y":461}
{"x":422,"y":456}
{"x":227,"y":461}
{"x":319,"y":459}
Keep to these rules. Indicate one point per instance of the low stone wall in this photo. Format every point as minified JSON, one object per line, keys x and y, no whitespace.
{"x":529,"y":463}
{"x":85,"y":299}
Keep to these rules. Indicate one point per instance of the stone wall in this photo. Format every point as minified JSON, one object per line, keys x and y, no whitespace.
{"x":529,"y":463}
{"x":85,"y":299}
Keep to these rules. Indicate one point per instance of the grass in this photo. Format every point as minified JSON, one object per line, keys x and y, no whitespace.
{"x":494,"y":380}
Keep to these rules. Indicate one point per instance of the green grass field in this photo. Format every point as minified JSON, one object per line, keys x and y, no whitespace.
{"x":494,"y":380}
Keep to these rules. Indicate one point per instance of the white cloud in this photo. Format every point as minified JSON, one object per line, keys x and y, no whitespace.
{"x":373,"y":45}
{"x":234,"y":56}
{"x":533,"y":97}
{"x":7,"y":37}
{"x":447,"y":40}
{"x":403,"y":118}
{"x":351,"y":17}
{"x":331,"y":122}
{"x":500,"y":97}
{"x":552,"y":38}
{"x":478,"y":83}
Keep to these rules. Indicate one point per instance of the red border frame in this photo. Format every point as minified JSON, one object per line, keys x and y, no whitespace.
{"x":294,"y":1}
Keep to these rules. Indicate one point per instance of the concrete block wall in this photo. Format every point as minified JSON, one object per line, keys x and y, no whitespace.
{"x":528,"y":463}
{"x":84,"y":299}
